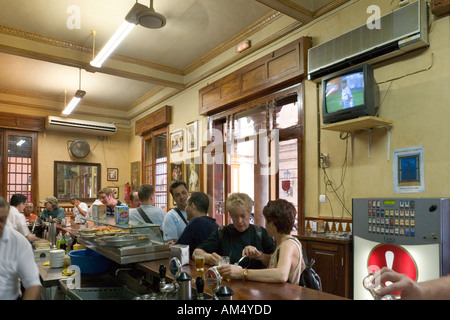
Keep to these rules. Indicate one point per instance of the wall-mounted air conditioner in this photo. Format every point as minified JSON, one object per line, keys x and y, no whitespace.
{"x":80,"y":126}
{"x":399,"y":32}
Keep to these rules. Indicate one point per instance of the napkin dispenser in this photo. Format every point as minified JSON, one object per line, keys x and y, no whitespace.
{"x":180,"y":251}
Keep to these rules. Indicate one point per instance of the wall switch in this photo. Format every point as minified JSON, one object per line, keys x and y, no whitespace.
{"x":324,"y":160}
{"x":322,"y":198}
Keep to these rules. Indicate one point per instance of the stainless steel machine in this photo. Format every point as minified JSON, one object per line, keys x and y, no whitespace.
{"x":409,"y":235}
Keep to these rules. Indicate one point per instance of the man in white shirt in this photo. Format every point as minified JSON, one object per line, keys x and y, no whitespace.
{"x":16,"y":220}
{"x":176,"y":219}
{"x":147,"y":212}
{"x":80,"y":209}
{"x":16,"y":262}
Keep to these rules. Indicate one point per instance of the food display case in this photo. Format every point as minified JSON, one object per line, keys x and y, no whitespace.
{"x":124,"y":243}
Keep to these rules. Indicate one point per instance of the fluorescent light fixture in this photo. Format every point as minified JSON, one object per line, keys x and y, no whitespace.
{"x":112,"y":44}
{"x":130,"y":22}
{"x":74,"y":102}
{"x":20,"y":143}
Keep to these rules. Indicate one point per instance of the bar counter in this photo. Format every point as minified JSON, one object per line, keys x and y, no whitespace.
{"x":244,"y":290}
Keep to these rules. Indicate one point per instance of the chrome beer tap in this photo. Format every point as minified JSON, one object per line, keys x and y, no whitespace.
{"x":175,"y":269}
{"x":164,"y":287}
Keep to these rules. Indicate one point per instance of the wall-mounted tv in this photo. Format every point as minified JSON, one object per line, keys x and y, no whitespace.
{"x":349,"y":94}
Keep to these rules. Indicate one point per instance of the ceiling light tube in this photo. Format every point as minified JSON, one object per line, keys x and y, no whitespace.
{"x":75,"y":100}
{"x":112,"y":44}
{"x":20,"y":143}
{"x":130,"y":22}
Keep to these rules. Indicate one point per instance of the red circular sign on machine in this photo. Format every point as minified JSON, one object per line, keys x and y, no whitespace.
{"x":392,"y":257}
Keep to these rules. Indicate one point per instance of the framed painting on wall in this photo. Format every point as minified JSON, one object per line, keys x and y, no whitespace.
{"x":408,"y":170}
{"x":135,"y":175}
{"x":176,"y":171}
{"x":192,"y":136}
{"x":194,"y":174}
{"x":177,"y":140}
{"x":112,"y":174}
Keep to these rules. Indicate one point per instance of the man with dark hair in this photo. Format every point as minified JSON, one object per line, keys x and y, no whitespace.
{"x":16,"y":219}
{"x":147,"y":212}
{"x":176,"y":219}
{"x":16,"y":262}
{"x":200,"y":226}
{"x":135,"y":202}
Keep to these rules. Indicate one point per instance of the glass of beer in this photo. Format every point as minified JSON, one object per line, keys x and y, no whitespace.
{"x":199,"y":261}
{"x":224,"y":260}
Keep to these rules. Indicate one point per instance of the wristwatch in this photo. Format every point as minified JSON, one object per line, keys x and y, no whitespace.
{"x":245,"y":274}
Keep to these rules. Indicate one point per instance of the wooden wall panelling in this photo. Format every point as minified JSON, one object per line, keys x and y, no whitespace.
{"x":21,"y":122}
{"x":156,"y":119}
{"x":282,"y":67}
{"x":440,"y":7}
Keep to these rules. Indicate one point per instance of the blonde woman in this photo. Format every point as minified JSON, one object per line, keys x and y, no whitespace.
{"x":232,"y":239}
{"x":286,"y":263}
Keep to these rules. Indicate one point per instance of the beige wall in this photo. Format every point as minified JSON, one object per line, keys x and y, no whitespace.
{"x":110,"y":152}
{"x":417,"y":103}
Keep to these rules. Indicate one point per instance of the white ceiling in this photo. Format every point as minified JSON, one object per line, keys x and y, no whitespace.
{"x":41,"y":56}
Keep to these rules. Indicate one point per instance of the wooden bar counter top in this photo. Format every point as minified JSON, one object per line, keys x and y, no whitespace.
{"x":245,"y":290}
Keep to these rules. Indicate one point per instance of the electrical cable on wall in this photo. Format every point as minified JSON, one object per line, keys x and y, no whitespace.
{"x":329,"y":184}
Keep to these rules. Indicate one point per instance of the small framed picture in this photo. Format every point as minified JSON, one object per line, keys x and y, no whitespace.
{"x":177,"y":140}
{"x":192,"y":136}
{"x":176,"y":171}
{"x":112,"y":174}
{"x":135,"y":175}
{"x":194,"y":174}
{"x":115,"y":192}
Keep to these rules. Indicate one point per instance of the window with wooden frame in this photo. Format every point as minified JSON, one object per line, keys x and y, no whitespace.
{"x":257,"y":148}
{"x":154,"y":159}
{"x":19,"y":163}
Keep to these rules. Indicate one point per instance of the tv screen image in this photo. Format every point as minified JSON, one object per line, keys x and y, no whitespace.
{"x":345,"y":92}
{"x":349,"y":94}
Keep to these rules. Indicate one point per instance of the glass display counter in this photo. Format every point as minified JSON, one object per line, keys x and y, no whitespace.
{"x":124,"y":243}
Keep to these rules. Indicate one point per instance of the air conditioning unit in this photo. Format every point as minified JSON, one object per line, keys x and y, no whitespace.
{"x":399,"y":32}
{"x":80,"y":126}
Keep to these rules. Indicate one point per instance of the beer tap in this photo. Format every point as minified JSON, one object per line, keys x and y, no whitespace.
{"x":164,"y":287}
{"x":200,"y":285}
{"x":175,"y":269}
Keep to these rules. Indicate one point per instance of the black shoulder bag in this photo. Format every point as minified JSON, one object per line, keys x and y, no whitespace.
{"x":181,"y":215}
{"x":309,"y":277}
{"x":144,"y":216}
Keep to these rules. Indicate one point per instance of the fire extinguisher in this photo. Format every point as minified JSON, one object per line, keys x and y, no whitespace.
{"x":127,"y":191}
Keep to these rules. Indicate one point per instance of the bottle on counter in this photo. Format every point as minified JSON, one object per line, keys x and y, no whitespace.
{"x":68,"y":239}
{"x":58,"y":239}
{"x":63,"y":244}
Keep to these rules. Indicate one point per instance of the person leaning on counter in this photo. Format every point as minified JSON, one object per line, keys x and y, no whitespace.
{"x":106,"y":196}
{"x":286,"y":263}
{"x":232,"y":239}
{"x":52,"y":210}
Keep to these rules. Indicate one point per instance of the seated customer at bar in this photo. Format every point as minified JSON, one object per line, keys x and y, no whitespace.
{"x":286,"y":263}
{"x":106,"y":196}
{"x":232,"y":239}
{"x":52,"y":211}
{"x":200,"y":226}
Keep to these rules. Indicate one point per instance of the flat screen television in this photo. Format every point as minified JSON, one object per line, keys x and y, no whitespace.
{"x":349,"y":94}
